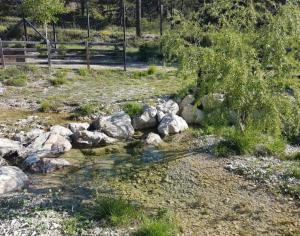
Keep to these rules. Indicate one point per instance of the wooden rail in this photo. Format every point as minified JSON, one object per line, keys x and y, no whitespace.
{"x":45,"y":52}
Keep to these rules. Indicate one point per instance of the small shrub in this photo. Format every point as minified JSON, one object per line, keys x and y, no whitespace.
{"x":294,"y":172}
{"x":156,"y":228}
{"x":161,"y":225}
{"x":75,"y":225}
{"x":60,"y":78}
{"x":133,"y":109}
{"x":87,"y":110}
{"x":83,"y":72}
{"x":47,"y":106}
{"x":18,"y":82}
{"x":248,"y":142}
{"x":115,"y":211}
{"x":152,"y":70}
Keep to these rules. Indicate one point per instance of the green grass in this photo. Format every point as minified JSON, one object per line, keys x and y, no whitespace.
{"x":248,"y":142}
{"x":87,"y":110}
{"x":115,"y":211}
{"x":161,"y":225}
{"x":294,"y":172}
{"x":133,"y":109}
{"x":47,"y":106}
{"x":17,"y":82}
{"x":75,"y":225}
{"x":156,"y":228}
{"x":60,"y":78}
{"x":83,"y":72}
{"x":152,"y":70}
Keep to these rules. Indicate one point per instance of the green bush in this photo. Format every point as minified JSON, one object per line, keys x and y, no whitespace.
{"x":83,"y":72}
{"x":47,"y":106}
{"x":161,"y":225}
{"x":115,"y":211}
{"x":60,"y":78}
{"x":152,"y":70}
{"x":156,"y":228}
{"x":250,"y":61}
{"x":75,"y":225}
{"x":87,"y":110}
{"x":133,"y":109}
{"x":294,"y":172}
{"x":18,"y":82}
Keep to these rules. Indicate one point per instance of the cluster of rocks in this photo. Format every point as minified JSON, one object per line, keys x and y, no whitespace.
{"x":38,"y":150}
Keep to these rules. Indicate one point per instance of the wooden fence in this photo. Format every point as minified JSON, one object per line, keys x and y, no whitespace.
{"x":50,"y":53}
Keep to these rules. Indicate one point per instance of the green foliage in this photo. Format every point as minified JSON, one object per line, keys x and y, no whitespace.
{"x":59,"y":79}
{"x":18,"y":82}
{"x":294,"y":171}
{"x":152,"y":70}
{"x":115,"y":211}
{"x":162,"y":225}
{"x":44,"y":11}
{"x":47,"y":106}
{"x":83,"y":72}
{"x":133,"y":108}
{"x":87,"y":110}
{"x":250,"y":60}
{"x":75,"y":225}
{"x":250,"y":141}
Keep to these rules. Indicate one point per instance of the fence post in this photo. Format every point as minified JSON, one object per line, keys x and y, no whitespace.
{"x":49,"y":52}
{"x":2,"y":54}
{"x":87,"y":47}
{"x":124,"y":36}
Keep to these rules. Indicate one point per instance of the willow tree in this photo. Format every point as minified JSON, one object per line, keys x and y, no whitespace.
{"x":44,"y":11}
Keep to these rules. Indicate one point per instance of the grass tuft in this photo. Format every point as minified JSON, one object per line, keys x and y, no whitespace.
{"x":133,"y":109}
{"x":115,"y":211}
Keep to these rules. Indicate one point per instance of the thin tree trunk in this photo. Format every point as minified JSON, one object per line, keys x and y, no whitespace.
{"x":138,"y":18}
{"x":46,"y":30}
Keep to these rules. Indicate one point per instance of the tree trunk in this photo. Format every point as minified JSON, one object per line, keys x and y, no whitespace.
{"x":138,"y":18}
{"x":46,"y":30}
{"x":82,"y":6}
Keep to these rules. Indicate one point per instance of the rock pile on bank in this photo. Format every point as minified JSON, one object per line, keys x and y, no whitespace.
{"x":39,"y":150}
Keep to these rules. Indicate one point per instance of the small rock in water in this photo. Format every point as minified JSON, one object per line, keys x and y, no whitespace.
{"x":117,"y":125}
{"x":153,"y":139}
{"x":172,"y":124}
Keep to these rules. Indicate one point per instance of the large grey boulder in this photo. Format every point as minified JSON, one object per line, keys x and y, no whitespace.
{"x":75,"y":127}
{"x":172,"y":124}
{"x":49,"y":145}
{"x":168,"y":107}
{"x":146,"y":120}
{"x":153,"y":139}
{"x":27,"y":137}
{"x":187,"y":100}
{"x":189,"y":112}
{"x":117,"y":125}
{"x":36,"y":164}
{"x":12,"y":179}
{"x":9,"y":147}
{"x":60,"y":130}
{"x":192,"y":115}
{"x":87,"y":138}
{"x":211,"y":101}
